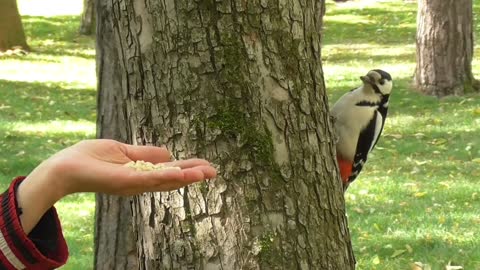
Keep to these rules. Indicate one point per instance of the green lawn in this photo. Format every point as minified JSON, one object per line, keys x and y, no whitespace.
{"x":417,"y":199}
{"x":47,"y":102}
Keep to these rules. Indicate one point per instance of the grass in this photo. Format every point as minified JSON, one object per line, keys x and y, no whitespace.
{"x":47,"y":103}
{"x":416,"y":200}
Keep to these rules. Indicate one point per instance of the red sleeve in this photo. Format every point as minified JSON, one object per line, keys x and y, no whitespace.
{"x":44,"y":248}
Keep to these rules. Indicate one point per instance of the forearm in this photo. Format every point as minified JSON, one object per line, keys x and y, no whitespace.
{"x":36,"y":194}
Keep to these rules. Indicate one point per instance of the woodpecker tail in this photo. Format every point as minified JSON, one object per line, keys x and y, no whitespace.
{"x":345,"y":169}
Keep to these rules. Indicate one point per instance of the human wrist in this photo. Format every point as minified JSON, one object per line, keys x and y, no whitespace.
{"x":37,"y":193}
{"x":49,"y":179}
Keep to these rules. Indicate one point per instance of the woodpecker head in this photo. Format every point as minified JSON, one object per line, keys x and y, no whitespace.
{"x":379,"y":81}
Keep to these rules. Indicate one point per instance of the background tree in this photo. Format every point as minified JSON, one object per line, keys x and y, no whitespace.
{"x":12,"y":35}
{"x":444,"y":47}
{"x":239,"y":83}
{"x":87,"y":24}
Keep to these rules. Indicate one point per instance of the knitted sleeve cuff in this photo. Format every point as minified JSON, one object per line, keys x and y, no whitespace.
{"x":44,"y":248}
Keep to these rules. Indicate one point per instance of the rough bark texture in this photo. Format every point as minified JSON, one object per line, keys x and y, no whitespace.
{"x":114,"y":239}
{"x":444,"y":47}
{"x":12,"y":35}
{"x":87,"y":25}
{"x":115,"y":245}
{"x":239,"y":83}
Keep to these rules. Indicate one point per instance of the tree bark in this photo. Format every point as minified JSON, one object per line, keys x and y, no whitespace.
{"x":115,"y":246}
{"x":87,"y":25}
{"x":12,"y":35}
{"x":239,"y":83}
{"x":445,"y":47}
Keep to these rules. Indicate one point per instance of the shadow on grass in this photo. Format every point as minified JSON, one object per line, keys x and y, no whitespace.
{"x":33,"y":101}
{"x":57,"y":35}
{"x":26,"y":150}
{"x":346,"y":55}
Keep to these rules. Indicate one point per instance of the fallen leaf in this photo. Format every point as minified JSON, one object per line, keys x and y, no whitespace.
{"x":410,"y":184}
{"x":463,"y":101}
{"x":420,"y":194}
{"x":420,"y":266}
{"x":444,"y":184}
{"x":398,"y":253}
{"x":376,"y":260}
{"x":419,"y":135}
{"x":437,"y":121}
{"x":441,"y":219}
{"x":453,"y":267}
{"x":439,"y":141}
{"x":421,"y":162}
{"x":415,"y":170}
{"x":415,"y":266}
{"x":396,"y":136}
{"x":358,"y":210}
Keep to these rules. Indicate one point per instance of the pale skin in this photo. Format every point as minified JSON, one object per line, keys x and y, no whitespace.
{"x":98,"y":166}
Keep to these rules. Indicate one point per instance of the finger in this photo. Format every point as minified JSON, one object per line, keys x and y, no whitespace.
{"x":161,"y":180}
{"x":151,"y":154}
{"x":190,"y":176}
{"x":199,"y":173}
{"x":187,"y":163}
{"x":135,"y":182}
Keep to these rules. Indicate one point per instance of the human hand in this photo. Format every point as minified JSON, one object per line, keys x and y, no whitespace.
{"x":98,"y":166}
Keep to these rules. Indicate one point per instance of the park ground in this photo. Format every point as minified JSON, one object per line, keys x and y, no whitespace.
{"x":418,"y":199}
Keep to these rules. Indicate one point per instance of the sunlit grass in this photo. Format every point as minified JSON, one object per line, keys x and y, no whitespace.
{"x":50,"y":127}
{"x":83,"y":75}
{"x":418,"y":197}
{"x":47,"y":102}
{"x":49,"y":7}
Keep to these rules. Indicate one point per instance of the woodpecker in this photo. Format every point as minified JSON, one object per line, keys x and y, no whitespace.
{"x":359,"y":117}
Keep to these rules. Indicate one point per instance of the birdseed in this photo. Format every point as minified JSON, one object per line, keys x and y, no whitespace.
{"x":141,"y":165}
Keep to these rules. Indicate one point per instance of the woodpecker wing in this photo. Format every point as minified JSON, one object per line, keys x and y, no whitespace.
{"x":383,"y":110}
{"x":366,"y":142}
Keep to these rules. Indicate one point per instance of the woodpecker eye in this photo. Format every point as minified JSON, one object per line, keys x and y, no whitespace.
{"x":382,"y":82}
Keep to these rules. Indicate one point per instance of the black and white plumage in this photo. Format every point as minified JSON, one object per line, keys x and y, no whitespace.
{"x":359,"y":119}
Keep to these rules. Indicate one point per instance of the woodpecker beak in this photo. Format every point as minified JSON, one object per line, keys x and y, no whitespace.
{"x":366,"y":79}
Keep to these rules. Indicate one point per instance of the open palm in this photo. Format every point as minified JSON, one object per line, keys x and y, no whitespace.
{"x":98,"y":166}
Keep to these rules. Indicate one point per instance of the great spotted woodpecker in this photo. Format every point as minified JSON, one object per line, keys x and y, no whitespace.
{"x":359,"y":118}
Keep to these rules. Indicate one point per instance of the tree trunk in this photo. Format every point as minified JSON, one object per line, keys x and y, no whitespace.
{"x":12,"y":36}
{"x":115,"y":247}
{"x":87,"y":25}
{"x":444,"y":47}
{"x":239,"y":83}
